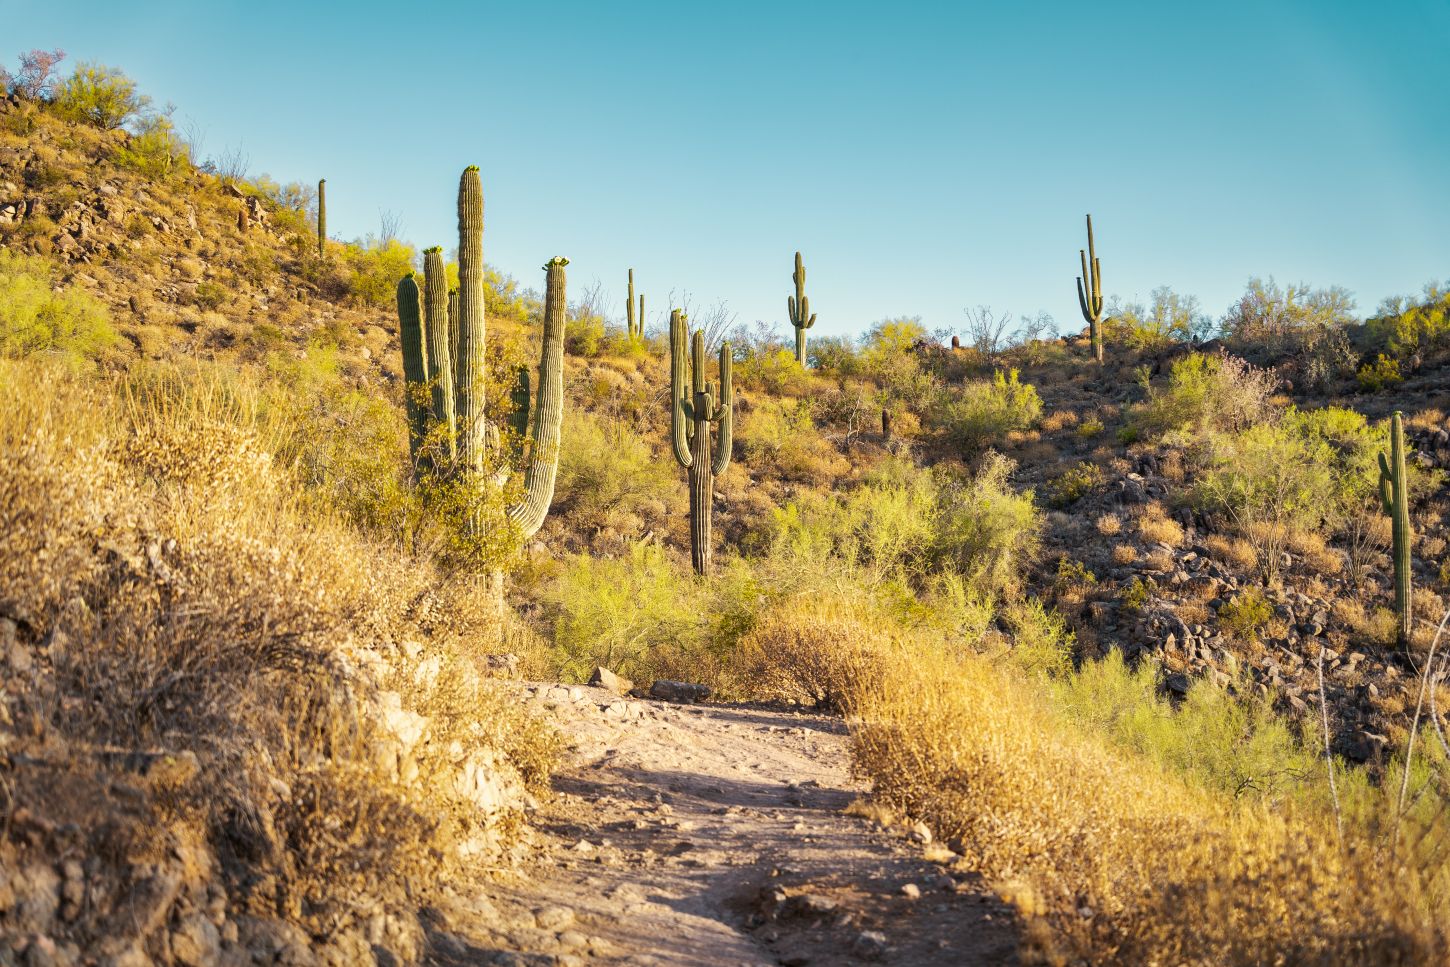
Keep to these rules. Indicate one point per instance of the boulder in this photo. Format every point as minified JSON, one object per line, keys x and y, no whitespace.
{"x":606,"y":679}
{"x":684,"y":692}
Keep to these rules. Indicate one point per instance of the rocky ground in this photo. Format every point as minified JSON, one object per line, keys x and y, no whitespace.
{"x":721,"y":835}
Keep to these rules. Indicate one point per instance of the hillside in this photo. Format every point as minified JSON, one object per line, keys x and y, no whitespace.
{"x":1105,"y":630}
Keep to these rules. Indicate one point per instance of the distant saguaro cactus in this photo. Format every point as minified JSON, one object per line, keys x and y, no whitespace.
{"x":1090,"y":292}
{"x":321,"y":217}
{"x":799,"y":308}
{"x":443,"y":351}
{"x":635,"y":322}
{"x":1394,"y":496}
{"x":695,"y":405}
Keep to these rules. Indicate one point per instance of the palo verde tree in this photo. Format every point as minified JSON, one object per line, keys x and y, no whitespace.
{"x":1090,"y":292}
{"x":696,"y":405}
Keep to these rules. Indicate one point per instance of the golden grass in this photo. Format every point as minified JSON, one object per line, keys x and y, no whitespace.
{"x":1109,"y":857}
{"x":1109,"y":525}
{"x":152,"y":544}
{"x":1157,"y":527}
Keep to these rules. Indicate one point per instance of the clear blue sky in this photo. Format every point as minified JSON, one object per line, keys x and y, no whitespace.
{"x":924,"y":157}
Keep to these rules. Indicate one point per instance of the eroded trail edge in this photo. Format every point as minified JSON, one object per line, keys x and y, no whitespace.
{"x":713,"y":834}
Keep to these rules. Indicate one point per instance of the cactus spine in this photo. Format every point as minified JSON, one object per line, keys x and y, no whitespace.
{"x":443,"y":345}
{"x":415,"y":367}
{"x":635,"y":322}
{"x":799,"y":308}
{"x":321,"y":217}
{"x":695,"y":405}
{"x":1090,"y":292}
{"x":1394,"y":495}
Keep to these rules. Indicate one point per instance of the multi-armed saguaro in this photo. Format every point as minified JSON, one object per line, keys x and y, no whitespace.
{"x":443,"y":364}
{"x":321,"y":217}
{"x":695,"y":404}
{"x":635,"y":322}
{"x":1090,"y":292}
{"x":1394,"y":495}
{"x":800,"y":310}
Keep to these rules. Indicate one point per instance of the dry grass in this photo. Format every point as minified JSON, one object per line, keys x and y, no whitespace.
{"x":1233,"y":551}
{"x":1109,"y":857}
{"x":1124,"y":554}
{"x":154,"y":552}
{"x":1157,"y":527}
{"x":1109,"y":525}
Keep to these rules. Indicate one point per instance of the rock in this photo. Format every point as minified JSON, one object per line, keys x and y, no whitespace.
{"x":195,"y":943}
{"x":870,"y":945}
{"x":606,"y":679}
{"x":807,"y":905}
{"x":553,"y":917}
{"x":1178,"y":684}
{"x":921,"y":833}
{"x":684,"y":692}
{"x":911,"y":891}
{"x":1366,"y":745}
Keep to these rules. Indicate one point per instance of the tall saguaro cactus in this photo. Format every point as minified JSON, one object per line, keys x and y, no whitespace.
{"x":321,"y":217}
{"x":635,"y":322}
{"x":799,"y":307}
{"x":443,"y":351}
{"x":695,"y":406}
{"x":1090,"y":292}
{"x":1394,"y":495}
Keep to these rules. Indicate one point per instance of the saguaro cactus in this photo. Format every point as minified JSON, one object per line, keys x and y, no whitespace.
{"x":442,"y":337}
{"x":695,"y":405}
{"x":800,"y":310}
{"x":415,"y":365}
{"x":321,"y":217}
{"x":1090,"y":292}
{"x":635,"y":322}
{"x":1394,"y":495}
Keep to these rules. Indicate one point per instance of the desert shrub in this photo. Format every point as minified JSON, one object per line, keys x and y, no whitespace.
{"x":34,"y":80}
{"x":1042,"y":643}
{"x":101,"y":96}
{"x":374,"y":269}
{"x":1205,"y":393}
{"x":209,"y":296}
{"x":150,"y":537}
{"x":34,"y":318}
{"x":1405,"y":326}
{"x":833,"y":354}
{"x":1379,"y":375}
{"x":775,"y":371}
{"x":781,"y":436}
{"x":1246,"y":615}
{"x":1287,"y":319}
{"x":155,"y":151}
{"x":1169,"y":318}
{"x":1156,"y":526}
{"x":1074,"y":484}
{"x":608,"y":477}
{"x":1135,"y":594}
{"x":584,"y":332}
{"x":985,"y":529}
{"x":984,"y":410}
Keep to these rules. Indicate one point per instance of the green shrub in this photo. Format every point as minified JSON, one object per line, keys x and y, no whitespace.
{"x":1074,"y":484}
{"x":1205,"y":393}
{"x":1170,"y":318}
{"x":1135,"y":595}
{"x":35,"y":318}
{"x":781,"y":436}
{"x":985,"y":410}
{"x":101,"y":96}
{"x":209,"y":296}
{"x":155,"y":151}
{"x":608,"y":478}
{"x":1246,"y":615}
{"x":1041,"y":641}
{"x":374,"y":269}
{"x":1379,"y":375}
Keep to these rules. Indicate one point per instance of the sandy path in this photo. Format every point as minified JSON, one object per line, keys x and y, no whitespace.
{"x":695,"y":835}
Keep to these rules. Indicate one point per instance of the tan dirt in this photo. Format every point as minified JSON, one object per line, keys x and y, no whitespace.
{"x":718,"y":835}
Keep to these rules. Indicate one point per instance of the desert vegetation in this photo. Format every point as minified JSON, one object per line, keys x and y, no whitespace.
{"x":1143,"y":622}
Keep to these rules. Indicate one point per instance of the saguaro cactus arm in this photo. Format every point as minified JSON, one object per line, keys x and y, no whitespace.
{"x":543,"y":462}
{"x":680,"y":430}
{"x":440,"y":352}
{"x":321,"y":217}
{"x":635,"y":320}
{"x":415,"y":367}
{"x":470,"y":385}
{"x":724,"y":412}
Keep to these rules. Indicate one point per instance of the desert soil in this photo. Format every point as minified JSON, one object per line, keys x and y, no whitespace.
{"x":717,"y":834}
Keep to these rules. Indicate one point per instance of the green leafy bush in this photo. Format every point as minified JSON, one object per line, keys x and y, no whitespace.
{"x":101,"y":96}
{"x":1246,"y":615}
{"x":1169,"y":318}
{"x":155,"y":150}
{"x":1379,"y":375}
{"x":1205,"y":393}
{"x":1074,"y":484}
{"x":608,"y":477}
{"x":375,"y":268}
{"x":35,"y":318}
{"x":984,"y":410}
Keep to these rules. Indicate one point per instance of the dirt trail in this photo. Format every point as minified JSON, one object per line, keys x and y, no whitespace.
{"x":695,"y":835}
